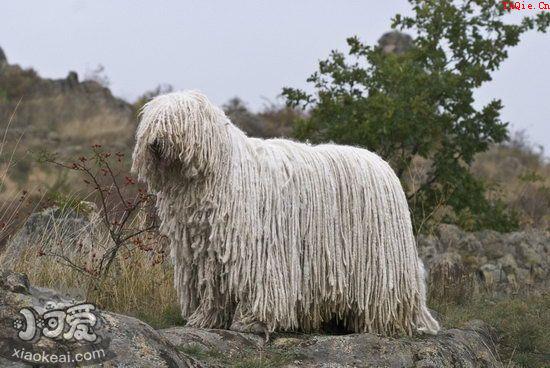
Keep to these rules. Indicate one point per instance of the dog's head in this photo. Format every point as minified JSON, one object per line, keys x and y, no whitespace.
{"x":181,"y":135}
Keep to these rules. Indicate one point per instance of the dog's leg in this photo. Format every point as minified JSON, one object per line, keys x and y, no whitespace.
{"x":244,"y":321}
{"x":215,"y":310}
{"x":210,"y":315}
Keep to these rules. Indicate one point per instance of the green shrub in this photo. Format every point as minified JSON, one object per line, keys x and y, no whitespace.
{"x":419,"y":102}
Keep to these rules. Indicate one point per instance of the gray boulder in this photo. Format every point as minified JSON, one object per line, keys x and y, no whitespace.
{"x":395,"y":42}
{"x":124,"y":341}
{"x":472,"y":346}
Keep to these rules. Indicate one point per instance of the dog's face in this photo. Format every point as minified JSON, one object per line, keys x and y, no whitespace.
{"x":180,"y":136}
{"x":160,"y":154}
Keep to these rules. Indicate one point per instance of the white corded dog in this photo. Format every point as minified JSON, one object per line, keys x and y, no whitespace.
{"x":278,"y":233}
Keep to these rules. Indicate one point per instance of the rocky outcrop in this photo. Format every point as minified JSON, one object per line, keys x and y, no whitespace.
{"x":128,"y":342}
{"x":472,"y":346}
{"x":121,"y":341}
{"x":3,"y":58}
{"x":395,"y":42}
{"x":68,"y":111}
{"x":463,"y":262}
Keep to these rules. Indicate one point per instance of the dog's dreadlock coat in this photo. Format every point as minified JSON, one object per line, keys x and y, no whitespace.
{"x":295,"y":235}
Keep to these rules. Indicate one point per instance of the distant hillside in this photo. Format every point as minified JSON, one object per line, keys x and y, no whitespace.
{"x":63,"y":116}
{"x":62,"y":113}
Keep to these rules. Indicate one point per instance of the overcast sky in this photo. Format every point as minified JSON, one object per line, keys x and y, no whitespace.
{"x":240,"y":48}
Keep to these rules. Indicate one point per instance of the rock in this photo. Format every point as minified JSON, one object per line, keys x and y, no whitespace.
{"x":453,"y":238}
{"x":428,"y":247}
{"x":499,"y":262}
{"x":53,"y":230}
{"x":223,"y":341}
{"x":72,"y":78}
{"x":3,"y":59}
{"x":491,"y":275}
{"x":16,"y":282}
{"x":450,"y":236}
{"x":529,"y":254}
{"x":472,"y":346}
{"x":508,"y":264}
{"x":126,"y":341}
{"x":470,"y":244}
{"x":395,"y":42}
{"x":511,"y":271}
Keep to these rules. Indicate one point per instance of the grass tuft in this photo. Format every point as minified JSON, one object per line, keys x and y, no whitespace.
{"x":136,"y":286}
{"x":522,"y":322}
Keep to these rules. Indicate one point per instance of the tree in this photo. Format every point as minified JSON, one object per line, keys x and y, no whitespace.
{"x":239,"y":113}
{"x":419,"y":102}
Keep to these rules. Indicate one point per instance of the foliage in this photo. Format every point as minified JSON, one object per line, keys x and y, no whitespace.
{"x":239,"y":114}
{"x":120,"y":203}
{"x":106,"y":257}
{"x":16,"y":82}
{"x":420,"y":103}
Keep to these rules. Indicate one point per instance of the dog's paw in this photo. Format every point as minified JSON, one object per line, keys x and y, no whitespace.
{"x":250,"y":326}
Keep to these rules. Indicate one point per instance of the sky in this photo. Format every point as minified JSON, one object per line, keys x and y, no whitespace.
{"x":249,"y":49}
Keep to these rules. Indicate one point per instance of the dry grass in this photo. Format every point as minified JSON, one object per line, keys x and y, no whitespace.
{"x":139,"y":283}
{"x":95,"y":129}
{"x":521,"y":321}
{"x":14,"y":207}
{"x":519,"y":174}
{"x":135,"y":287}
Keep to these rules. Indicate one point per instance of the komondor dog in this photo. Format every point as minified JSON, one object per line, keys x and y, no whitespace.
{"x":276,"y":233}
